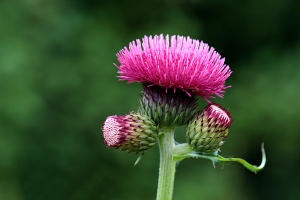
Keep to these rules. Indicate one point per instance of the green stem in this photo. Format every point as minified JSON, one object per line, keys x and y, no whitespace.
{"x":183,"y":151}
{"x":167,"y":165}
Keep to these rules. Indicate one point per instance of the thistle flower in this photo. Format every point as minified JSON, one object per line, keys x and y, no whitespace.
{"x":132,"y":132}
{"x":179,"y":63}
{"x":208,"y":128}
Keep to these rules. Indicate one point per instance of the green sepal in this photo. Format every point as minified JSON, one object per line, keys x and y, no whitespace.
{"x":166,"y":107}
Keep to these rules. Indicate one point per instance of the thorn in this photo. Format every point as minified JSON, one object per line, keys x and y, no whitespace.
{"x":214,"y":164}
{"x":138,"y":159}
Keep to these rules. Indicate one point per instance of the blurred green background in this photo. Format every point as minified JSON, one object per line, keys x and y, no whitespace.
{"x":58,"y":84}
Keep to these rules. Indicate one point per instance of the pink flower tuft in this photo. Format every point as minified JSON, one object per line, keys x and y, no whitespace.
{"x":218,"y":114}
{"x":112,"y":131}
{"x":178,"y":63}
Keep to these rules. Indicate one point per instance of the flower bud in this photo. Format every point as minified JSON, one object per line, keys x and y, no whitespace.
{"x":166,"y":107}
{"x":132,"y":132}
{"x":208,"y":128}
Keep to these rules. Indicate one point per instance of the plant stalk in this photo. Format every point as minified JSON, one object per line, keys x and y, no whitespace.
{"x":167,"y":165}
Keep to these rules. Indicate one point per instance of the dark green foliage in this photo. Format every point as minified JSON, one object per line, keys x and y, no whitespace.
{"x":58,"y":84}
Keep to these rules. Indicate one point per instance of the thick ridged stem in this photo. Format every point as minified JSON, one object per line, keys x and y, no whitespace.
{"x":167,"y":165}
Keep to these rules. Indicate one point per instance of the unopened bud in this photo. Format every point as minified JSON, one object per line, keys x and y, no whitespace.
{"x":133,"y":132}
{"x":208,"y":128}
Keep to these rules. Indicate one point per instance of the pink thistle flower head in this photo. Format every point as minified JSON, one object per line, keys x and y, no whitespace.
{"x":208,"y":128}
{"x":132,"y":132}
{"x":177,"y":62}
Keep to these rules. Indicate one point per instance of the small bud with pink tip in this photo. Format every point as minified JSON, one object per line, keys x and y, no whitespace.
{"x":132,"y":132}
{"x":208,"y":128}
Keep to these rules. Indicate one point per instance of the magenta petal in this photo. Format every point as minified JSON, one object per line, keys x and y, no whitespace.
{"x":177,"y":62}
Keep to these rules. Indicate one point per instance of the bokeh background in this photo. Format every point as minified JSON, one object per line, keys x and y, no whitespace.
{"x":58,"y":84}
